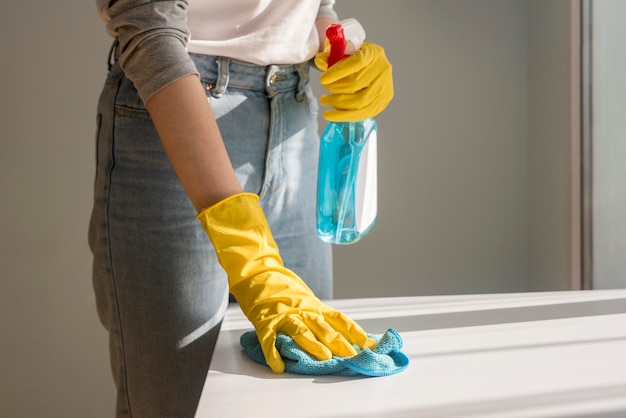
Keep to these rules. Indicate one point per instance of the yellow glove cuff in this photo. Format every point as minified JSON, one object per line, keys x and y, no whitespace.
{"x":238,"y":229}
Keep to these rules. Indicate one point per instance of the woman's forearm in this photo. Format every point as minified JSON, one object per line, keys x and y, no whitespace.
{"x":189,"y":133}
{"x":192,"y":140}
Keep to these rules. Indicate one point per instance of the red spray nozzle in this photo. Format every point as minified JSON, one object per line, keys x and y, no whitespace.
{"x":338,"y":43}
{"x":345,"y":38}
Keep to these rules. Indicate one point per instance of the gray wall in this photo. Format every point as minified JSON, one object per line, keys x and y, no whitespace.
{"x":53,"y":351}
{"x":453,"y":165}
{"x":453,"y":162}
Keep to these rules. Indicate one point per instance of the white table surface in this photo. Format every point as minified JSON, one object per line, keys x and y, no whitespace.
{"x":552,"y":354}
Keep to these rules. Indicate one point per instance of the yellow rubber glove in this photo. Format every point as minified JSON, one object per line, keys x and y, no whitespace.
{"x":273,"y":297}
{"x":361,"y":85}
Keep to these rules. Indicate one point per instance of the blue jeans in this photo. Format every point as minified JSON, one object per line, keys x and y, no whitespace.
{"x":160,"y":291}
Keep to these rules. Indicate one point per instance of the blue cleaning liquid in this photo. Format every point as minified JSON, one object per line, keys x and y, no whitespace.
{"x":346,"y":191}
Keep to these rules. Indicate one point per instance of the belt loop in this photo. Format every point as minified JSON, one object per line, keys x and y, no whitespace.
{"x":223,"y":75}
{"x":303,"y":72}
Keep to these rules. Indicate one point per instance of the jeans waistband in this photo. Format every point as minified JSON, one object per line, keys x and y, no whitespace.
{"x":218,"y":73}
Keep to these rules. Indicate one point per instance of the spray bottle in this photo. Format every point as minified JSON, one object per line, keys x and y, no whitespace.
{"x":347,"y":177}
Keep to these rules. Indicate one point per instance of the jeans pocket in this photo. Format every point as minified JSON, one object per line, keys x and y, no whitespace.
{"x":128,"y":103}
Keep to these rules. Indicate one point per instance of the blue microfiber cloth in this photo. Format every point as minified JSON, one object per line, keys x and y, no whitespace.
{"x":384,"y":360}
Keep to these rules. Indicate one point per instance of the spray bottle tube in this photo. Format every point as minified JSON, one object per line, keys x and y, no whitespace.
{"x":347,"y":172}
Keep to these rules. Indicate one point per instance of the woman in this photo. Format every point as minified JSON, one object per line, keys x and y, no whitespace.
{"x":207,"y":115}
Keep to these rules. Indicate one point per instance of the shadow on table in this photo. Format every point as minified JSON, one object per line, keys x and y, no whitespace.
{"x":481,"y":317}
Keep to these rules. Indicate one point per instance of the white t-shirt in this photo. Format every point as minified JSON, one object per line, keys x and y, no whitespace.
{"x":258,"y":31}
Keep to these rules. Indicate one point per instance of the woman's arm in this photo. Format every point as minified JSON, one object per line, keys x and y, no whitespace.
{"x":185,"y":122}
{"x":152,"y":51}
{"x":192,"y":141}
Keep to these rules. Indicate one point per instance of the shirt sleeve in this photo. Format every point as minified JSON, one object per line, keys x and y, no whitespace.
{"x":153,"y":37}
